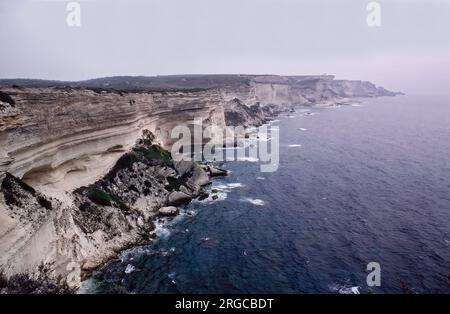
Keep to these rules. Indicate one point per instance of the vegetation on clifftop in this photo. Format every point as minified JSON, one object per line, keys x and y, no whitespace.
{"x":102,"y":198}
{"x":156,"y":152}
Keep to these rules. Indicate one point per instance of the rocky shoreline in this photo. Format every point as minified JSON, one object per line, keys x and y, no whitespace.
{"x":146,"y":177}
{"x":85,"y":171}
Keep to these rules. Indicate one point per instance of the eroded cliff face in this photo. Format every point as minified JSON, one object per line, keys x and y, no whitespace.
{"x":67,"y":138}
{"x":83,"y":171}
{"x":73,"y":236}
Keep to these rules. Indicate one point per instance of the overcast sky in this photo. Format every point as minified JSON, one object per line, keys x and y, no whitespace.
{"x":410,"y":51}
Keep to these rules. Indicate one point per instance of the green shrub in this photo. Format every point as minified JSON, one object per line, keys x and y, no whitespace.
{"x":102,"y":198}
{"x":156,"y":152}
{"x":125,"y":162}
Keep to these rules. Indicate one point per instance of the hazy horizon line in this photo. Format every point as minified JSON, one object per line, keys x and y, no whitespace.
{"x":181,"y":74}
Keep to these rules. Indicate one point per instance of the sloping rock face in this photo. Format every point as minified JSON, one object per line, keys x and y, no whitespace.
{"x":83,"y":169}
{"x":102,"y":218}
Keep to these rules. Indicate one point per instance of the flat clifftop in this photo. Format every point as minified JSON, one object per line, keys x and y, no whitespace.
{"x":174,"y":82}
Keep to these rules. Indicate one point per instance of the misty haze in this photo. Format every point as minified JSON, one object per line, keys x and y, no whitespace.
{"x":198,"y":147}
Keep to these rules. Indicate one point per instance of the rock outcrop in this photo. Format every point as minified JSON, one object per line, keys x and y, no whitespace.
{"x":168,"y":211}
{"x":96,"y":221}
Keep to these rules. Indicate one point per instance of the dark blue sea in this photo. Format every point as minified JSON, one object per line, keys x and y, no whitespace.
{"x":369,"y":183}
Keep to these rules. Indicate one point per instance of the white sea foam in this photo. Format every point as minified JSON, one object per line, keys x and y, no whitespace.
{"x":248,"y":159}
{"x":216,"y":197}
{"x":235,"y":185}
{"x":228,"y":186}
{"x":302,"y":129}
{"x":254,"y":201}
{"x":161,"y":230}
{"x":260,"y":178}
{"x":130,"y":268}
{"x":171,"y":276}
{"x":223,"y":190}
{"x":220,"y":187}
{"x":344,"y":289}
{"x":351,"y":290}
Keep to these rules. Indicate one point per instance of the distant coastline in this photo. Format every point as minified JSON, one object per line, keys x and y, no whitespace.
{"x":83,"y":170}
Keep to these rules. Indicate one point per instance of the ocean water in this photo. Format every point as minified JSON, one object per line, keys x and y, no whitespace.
{"x":356,"y":184}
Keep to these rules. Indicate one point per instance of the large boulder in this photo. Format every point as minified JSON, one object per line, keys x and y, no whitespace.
{"x":197,"y":175}
{"x":185,"y":190}
{"x":177,"y":198}
{"x":168,"y":211}
{"x":184,"y":166}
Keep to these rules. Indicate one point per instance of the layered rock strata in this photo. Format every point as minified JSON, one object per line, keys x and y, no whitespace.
{"x":84,"y":170}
